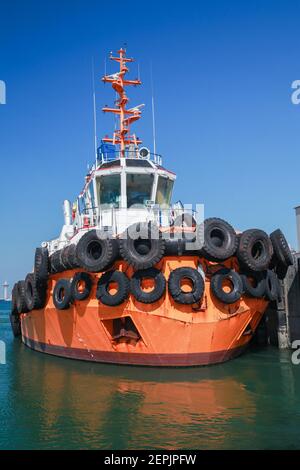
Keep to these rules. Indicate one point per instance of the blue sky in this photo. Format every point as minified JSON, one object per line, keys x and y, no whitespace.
{"x":225,"y":121}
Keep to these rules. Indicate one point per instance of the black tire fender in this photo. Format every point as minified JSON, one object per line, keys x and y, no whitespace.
{"x":21,"y":303}
{"x":122,"y":293}
{"x":15,"y":324}
{"x":216,"y":285}
{"x":281,"y":248}
{"x":155,"y":294}
{"x":34,"y":292}
{"x":257,"y":290}
{"x":255,"y":250}
{"x":95,"y":251}
{"x":41,"y":264}
{"x":142,"y":245}
{"x":68,"y":257}
{"x":56,"y":263}
{"x":273,"y":288}
{"x":85,"y":292}
{"x":281,"y":271}
{"x":178,"y":244}
{"x":14,"y":296}
{"x":174,"y":285}
{"x":62,"y":296}
{"x":219,"y":239}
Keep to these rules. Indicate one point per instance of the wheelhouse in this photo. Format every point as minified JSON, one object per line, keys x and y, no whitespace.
{"x":136,"y":185}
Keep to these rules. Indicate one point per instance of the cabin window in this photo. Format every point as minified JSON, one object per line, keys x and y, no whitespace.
{"x":164,"y":191}
{"x":91,"y":194}
{"x":81,"y":205}
{"x":109,"y":190}
{"x":139,"y":188}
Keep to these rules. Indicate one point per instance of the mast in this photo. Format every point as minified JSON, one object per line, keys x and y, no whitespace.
{"x":118,"y":81}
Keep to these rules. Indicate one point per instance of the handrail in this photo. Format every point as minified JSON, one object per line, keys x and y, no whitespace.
{"x":112,"y":155}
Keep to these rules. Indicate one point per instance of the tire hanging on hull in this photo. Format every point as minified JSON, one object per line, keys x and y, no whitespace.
{"x":62,"y":296}
{"x":233,"y":279}
{"x":156,"y":293}
{"x":41,"y":264}
{"x":123,"y":287}
{"x":21,"y":302}
{"x":255,"y":250}
{"x":254,"y":284}
{"x":220,"y":240}
{"x":142,"y":245}
{"x":95,"y":251}
{"x":175,"y":286}
{"x":84,"y":292}
{"x":34,"y":292}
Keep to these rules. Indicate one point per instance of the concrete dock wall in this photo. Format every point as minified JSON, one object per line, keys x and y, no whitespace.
{"x":281,"y":323}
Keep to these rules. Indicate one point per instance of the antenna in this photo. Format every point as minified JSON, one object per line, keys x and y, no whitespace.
{"x":126,"y":116}
{"x":153,"y":111}
{"x":139,"y":75}
{"x":95,"y":113}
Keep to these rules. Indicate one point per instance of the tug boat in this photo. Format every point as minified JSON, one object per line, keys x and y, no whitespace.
{"x":134,"y":279}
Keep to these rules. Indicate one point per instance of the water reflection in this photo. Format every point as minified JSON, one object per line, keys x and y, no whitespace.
{"x":57,"y":403}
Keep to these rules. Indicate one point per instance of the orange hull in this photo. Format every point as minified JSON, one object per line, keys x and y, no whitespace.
{"x":169,"y":334}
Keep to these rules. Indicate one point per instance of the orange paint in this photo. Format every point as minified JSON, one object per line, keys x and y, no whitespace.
{"x":169,"y":334}
{"x":127,"y":116}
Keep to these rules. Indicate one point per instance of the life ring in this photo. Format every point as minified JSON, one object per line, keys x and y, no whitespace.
{"x":76,"y":292}
{"x":62,"y":296}
{"x":34,"y":292}
{"x":142,"y":245}
{"x":95,"y":251}
{"x":255,"y":250}
{"x":257,"y":288}
{"x":156,"y":293}
{"x":175,"y":285}
{"x":123,"y":287}
{"x":217,"y":283}
{"x":219,"y":239}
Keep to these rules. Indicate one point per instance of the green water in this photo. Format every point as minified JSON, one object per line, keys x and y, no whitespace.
{"x":252,"y":402}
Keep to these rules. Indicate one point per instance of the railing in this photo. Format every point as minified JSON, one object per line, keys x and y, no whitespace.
{"x":112,"y":155}
{"x":118,"y":219}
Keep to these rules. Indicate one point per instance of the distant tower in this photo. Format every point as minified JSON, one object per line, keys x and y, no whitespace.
{"x":5,"y":289}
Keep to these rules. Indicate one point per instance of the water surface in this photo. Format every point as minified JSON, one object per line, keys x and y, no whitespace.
{"x":252,"y":402}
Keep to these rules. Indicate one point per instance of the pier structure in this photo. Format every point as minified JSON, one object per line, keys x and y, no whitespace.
{"x":281,"y":323}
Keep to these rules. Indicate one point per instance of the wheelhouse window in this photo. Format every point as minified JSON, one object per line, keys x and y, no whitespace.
{"x":81,"y":205}
{"x":91,"y":194}
{"x":164,"y":191}
{"x":139,"y":188}
{"x":109,"y":190}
